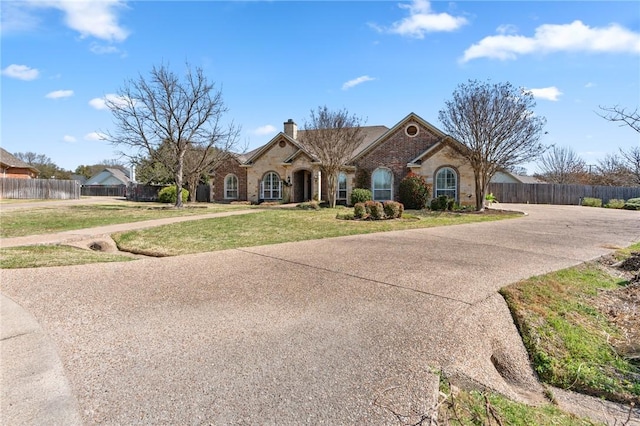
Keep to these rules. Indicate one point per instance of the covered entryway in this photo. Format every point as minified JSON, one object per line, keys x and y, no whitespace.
{"x":301,"y":186}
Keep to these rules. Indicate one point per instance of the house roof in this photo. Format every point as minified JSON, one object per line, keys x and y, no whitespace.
{"x":108,"y":172}
{"x":527,"y":179}
{"x":10,"y":160}
{"x":370,"y":134}
{"x":373,"y":136}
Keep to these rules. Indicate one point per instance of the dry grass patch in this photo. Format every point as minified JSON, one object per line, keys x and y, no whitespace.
{"x":49,"y":255}
{"x":46,"y":220}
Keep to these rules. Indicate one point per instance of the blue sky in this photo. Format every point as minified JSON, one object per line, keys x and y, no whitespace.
{"x":276,"y":60}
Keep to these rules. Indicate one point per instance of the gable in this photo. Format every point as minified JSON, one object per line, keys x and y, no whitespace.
{"x":278,"y":149}
{"x":108,"y":177}
{"x":403,"y":130}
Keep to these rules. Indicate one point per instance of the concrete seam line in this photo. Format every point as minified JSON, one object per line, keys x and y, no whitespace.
{"x":356,"y":276}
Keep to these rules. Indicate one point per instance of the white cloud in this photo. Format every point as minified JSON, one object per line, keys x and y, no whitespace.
{"x":507,"y":29}
{"x":15,"y":17}
{"x":548,"y":93}
{"x":265,"y":130}
{"x":100,"y":103}
{"x":97,"y":19}
{"x":590,"y":85}
{"x":68,"y":138}
{"x":21,"y":72}
{"x":573,"y":37}
{"x":101,"y":49}
{"x":95,"y":136}
{"x":422,"y":20}
{"x":352,"y":83}
{"x":58,"y":94}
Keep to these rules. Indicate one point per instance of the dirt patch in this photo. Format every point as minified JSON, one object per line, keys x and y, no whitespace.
{"x":622,"y":306}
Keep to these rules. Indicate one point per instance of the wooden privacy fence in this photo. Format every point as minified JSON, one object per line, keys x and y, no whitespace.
{"x":104,"y":190}
{"x":41,"y":189}
{"x":137,"y":192}
{"x":551,"y":193}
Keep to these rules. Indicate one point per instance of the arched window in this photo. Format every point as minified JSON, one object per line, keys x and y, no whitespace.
{"x":342,"y":186}
{"x":382,"y":184}
{"x":231,"y":187}
{"x":271,"y":187}
{"x":447,"y":183}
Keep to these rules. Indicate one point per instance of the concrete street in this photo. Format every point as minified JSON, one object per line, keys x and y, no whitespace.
{"x":339,"y":331}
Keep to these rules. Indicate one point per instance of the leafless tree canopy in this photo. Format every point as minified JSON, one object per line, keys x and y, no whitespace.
{"x":496,"y":123}
{"x":631,"y":161}
{"x":562,"y":165}
{"x":622,"y":115}
{"x":332,"y":136}
{"x":183,"y":113}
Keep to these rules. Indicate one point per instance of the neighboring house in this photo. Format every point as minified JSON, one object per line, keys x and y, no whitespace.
{"x":108,"y":176}
{"x":287,"y":171}
{"x":13,"y":167}
{"x":506,"y":177}
{"x":79,"y":178}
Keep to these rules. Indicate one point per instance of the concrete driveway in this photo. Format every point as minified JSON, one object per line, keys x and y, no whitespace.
{"x":339,"y":331}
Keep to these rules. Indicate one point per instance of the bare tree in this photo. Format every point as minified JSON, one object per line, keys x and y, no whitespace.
{"x":562,"y":165}
{"x":47,"y":169}
{"x":620,"y":114}
{"x":332,"y":136}
{"x":496,"y":124}
{"x":631,"y":161}
{"x":610,"y":171}
{"x":184,"y":113}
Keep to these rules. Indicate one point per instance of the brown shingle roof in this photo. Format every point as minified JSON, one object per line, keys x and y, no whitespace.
{"x":10,"y":160}
{"x":371,"y":133}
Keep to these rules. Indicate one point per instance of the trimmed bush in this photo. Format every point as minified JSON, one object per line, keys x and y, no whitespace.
{"x":345,"y":216}
{"x":414,"y":191}
{"x":359,"y":211}
{"x":632,"y":204}
{"x":375,"y":210}
{"x":169,"y":194}
{"x":615,"y":203}
{"x":442,"y":203}
{"x":309,"y":205}
{"x":592,"y":202}
{"x":360,"y":195}
{"x":393,"y":209}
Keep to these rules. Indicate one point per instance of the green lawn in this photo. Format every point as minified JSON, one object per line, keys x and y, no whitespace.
{"x":46,"y":220}
{"x":272,"y":227}
{"x":568,"y":338}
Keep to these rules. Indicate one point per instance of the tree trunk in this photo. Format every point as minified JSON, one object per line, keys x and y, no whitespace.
{"x":480,"y":191}
{"x":331,"y":188}
{"x":179,"y":169}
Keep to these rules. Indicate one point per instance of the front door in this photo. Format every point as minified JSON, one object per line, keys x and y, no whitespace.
{"x":301,"y":186}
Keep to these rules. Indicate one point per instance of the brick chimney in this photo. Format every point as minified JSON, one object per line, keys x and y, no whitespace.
{"x":291,"y":129}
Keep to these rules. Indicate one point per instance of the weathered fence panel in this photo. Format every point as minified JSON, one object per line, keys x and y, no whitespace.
{"x":203,"y":193}
{"x":138,"y":192}
{"x":40,"y":189}
{"x":104,"y":190}
{"x":551,"y":193}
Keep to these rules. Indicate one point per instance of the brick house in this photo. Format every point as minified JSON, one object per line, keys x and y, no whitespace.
{"x":12,"y":167}
{"x":283,"y":170}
